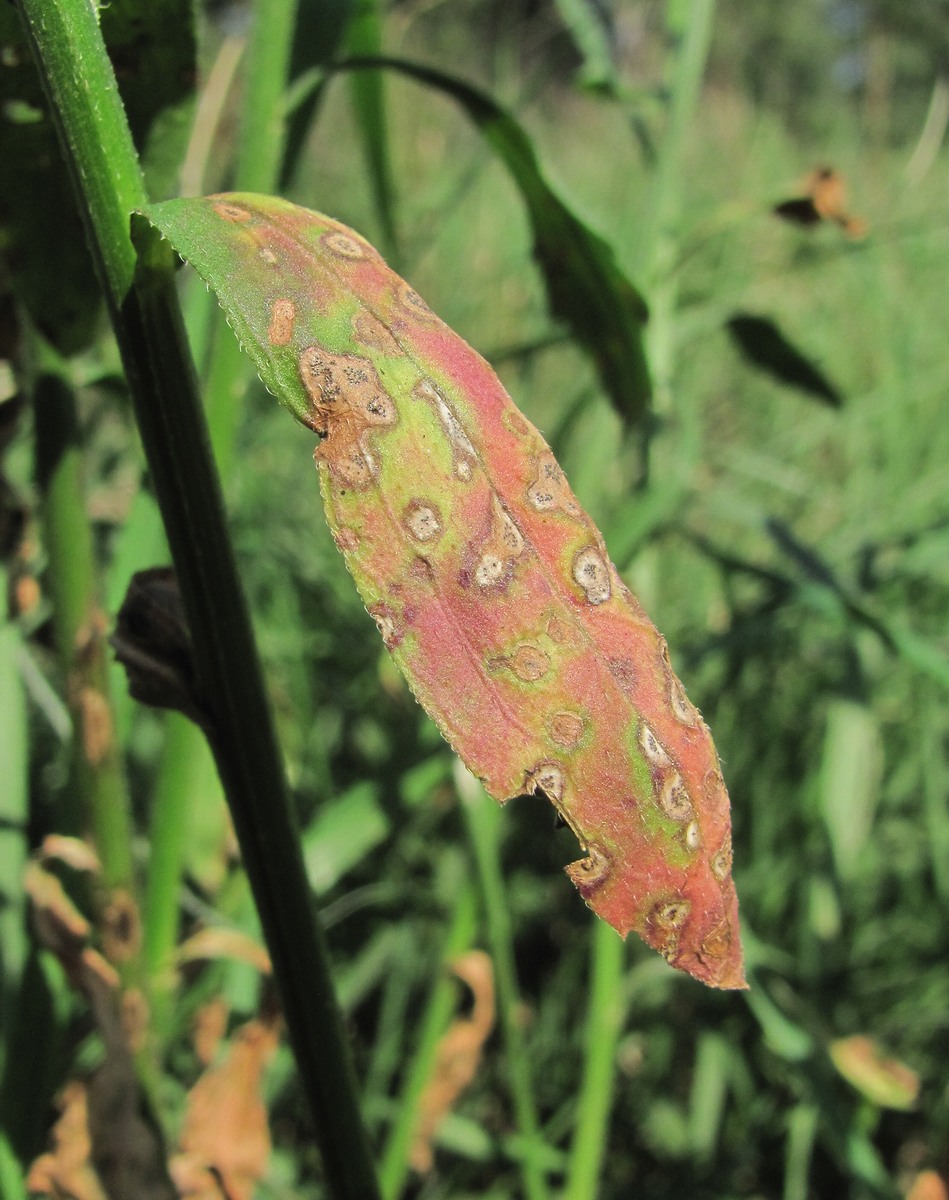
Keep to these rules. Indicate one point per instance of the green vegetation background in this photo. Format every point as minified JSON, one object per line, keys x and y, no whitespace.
{"x":795,"y":553}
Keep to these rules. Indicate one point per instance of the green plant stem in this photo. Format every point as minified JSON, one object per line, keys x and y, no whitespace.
{"x":172,"y":799}
{"x":260,"y":151}
{"x":147,"y":322}
{"x":442,"y":999}
{"x":689,"y":24}
{"x":14,"y":815}
{"x":368,"y":95}
{"x":97,"y":782}
{"x":259,"y":156}
{"x":263,"y":114}
{"x":603,"y":1026}
{"x":483,"y":818}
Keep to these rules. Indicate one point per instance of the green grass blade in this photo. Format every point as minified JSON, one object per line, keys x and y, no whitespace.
{"x":369,"y":105}
{"x":434,"y":1020}
{"x":14,"y":812}
{"x":589,"y":27}
{"x":483,"y":818}
{"x":585,"y":287}
{"x":263,"y":115}
{"x":604,"y":1024}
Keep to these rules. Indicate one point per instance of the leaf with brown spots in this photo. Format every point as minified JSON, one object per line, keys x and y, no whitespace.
{"x":489,"y":584}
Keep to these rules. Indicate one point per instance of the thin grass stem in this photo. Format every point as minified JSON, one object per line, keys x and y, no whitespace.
{"x":601,"y":1035}
{"x":483,"y":818}
{"x":394,"y":1168}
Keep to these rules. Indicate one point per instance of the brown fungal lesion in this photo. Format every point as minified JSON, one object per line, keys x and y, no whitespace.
{"x":591,"y":571}
{"x":348,"y":402}
{"x":529,"y":663}
{"x":423,"y":520}
{"x":566,"y":729}
{"x":413,"y":302}
{"x":721,"y":862}
{"x":347,"y":245}
{"x":464,"y":456}
{"x":388,"y":623}
{"x":232,"y":212}
{"x":491,"y":558}
{"x":664,"y":924}
{"x":655,"y":752}
{"x":591,"y":873}
{"x":283,"y":314}
{"x":369,"y":331}
{"x":674,"y":798}
{"x":549,"y":490}
{"x":549,"y":778}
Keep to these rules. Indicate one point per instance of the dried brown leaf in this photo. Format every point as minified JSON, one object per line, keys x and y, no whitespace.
{"x":210,"y":1025}
{"x":122,"y":1146}
{"x":65,"y":1172}
{"x":225,"y":1140}
{"x":216,"y":942}
{"x":457,"y":1056}
{"x":928,"y":1185}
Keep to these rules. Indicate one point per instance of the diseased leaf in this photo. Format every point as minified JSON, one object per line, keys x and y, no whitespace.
{"x":490,"y":585}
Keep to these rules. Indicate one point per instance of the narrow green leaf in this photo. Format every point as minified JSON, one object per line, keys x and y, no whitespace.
{"x":14,"y":812}
{"x":342,"y":834}
{"x":365,"y":38}
{"x":851,"y":774}
{"x":590,"y":27}
{"x":585,"y":287}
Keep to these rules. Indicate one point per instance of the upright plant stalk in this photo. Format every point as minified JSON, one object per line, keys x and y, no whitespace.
{"x":84,"y":100}
{"x":604,"y":1022}
{"x":97,"y":782}
{"x":14,"y":818}
{"x":260,"y":153}
{"x":484,"y":818}
{"x":394,"y":1168}
{"x":689,"y":24}
{"x":260,"y":149}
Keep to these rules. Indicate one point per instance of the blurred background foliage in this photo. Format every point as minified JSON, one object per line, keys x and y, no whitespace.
{"x":790,"y":538}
